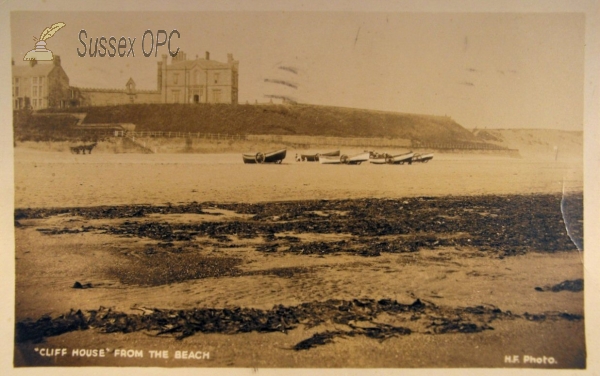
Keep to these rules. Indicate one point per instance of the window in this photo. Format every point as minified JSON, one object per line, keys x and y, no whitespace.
{"x":216,"y":78}
{"x":197,"y":78}
{"x":36,"y":87}
{"x":176,"y":96}
{"x":34,"y":103}
{"x":175,"y":78}
{"x":216,"y":96}
{"x":15,"y":86}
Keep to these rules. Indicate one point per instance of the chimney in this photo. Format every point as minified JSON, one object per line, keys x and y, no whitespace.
{"x":207,"y":55}
{"x":159,"y":76}
{"x":229,"y":58}
{"x":57,"y":60}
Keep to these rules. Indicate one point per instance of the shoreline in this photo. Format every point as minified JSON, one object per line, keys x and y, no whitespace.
{"x":62,"y":179}
{"x":197,"y":234}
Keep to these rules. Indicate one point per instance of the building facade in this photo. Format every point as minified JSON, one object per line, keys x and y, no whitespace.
{"x":198,"y":80}
{"x":39,"y":86}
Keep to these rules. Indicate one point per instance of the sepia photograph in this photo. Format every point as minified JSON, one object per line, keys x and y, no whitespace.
{"x":298,"y":188}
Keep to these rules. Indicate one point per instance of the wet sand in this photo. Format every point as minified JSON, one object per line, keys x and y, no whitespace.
{"x":445,"y":278}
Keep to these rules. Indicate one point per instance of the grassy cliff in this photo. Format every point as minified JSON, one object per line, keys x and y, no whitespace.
{"x":278,"y":119}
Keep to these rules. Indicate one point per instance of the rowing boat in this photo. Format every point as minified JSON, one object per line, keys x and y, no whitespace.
{"x":358,"y":158}
{"x":344,"y":159}
{"x":270,"y":157}
{"x":401,"y":158}
{"x":315,"y":157}
{"x":423,"y":158}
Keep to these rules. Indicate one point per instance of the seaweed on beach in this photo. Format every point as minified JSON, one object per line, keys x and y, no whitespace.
{"x":154,"y":268}
{"x":112,"y":212}
{"x":501,"y":226}
{"x":575,"y":285}
{"x":362,"y":317}
{"x":380,"y":332}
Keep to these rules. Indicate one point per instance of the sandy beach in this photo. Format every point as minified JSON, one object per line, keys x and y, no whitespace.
{"x":439,"y":291}
{"x":45,"y":178}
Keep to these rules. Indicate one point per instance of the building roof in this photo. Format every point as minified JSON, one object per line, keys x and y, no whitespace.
{"x":39,"y":69}
{"x":202,"y":63}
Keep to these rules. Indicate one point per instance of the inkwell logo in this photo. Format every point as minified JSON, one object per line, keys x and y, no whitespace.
{"x":40,"y":53}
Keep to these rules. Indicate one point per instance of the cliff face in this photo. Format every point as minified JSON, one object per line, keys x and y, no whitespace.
{"x":551,"y":143}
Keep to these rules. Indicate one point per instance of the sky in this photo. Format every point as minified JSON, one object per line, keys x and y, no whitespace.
{"x":484,"y":70}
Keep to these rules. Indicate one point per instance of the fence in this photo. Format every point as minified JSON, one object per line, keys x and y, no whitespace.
{"x":458,"y":145}
{"x":160,"y":134}
{"x":336,"y":141}
{"x":312,"y":140}
{"x":285,"y":139}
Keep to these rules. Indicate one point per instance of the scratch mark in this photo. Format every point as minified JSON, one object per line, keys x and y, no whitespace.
{"x":281,"y":82}
{"x":467,"y":83}
{"x":289,"y":69}
{"x":282,"y":97}
{"x":472,"y":70}
{"x":562,"y":212}
{"x":357,"y":33}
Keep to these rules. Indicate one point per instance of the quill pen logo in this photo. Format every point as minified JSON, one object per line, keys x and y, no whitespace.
{"x":40,"y":53}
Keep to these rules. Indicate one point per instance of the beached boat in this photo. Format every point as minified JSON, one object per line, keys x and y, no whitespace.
{"x":270,"y":157}
{"x":378,"y":160}
{"x":344,"y":159}
{"x":331,"y":160}
{"x":423,"y":158}
{"x":315,"y":157}
{"x":401,"y":158}
{"x":376,"y":155}
{"x":358,"y":158}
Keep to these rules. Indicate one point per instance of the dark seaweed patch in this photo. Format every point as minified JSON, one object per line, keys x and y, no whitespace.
{"x":154,"y":268}
{"x":499,"y":225}
{"x":575,"y":285}
{"x":424,"y":318}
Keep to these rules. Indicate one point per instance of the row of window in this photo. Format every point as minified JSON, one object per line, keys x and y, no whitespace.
{"x":36,"y":103}
{"x":195,"y":97}
{"x":34,"y":80}
{"x":37,"y":87}
{"x":196,"y":78}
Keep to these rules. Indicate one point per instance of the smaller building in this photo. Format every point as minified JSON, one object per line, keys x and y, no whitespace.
{"x":39,"y":85}
{"x":109,"y":97}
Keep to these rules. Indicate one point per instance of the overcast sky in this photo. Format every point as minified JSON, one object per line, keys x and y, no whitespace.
{"x":494,"y":70}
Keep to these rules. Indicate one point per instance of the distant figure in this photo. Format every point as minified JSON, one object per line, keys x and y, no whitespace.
{"x":298,"y":159}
